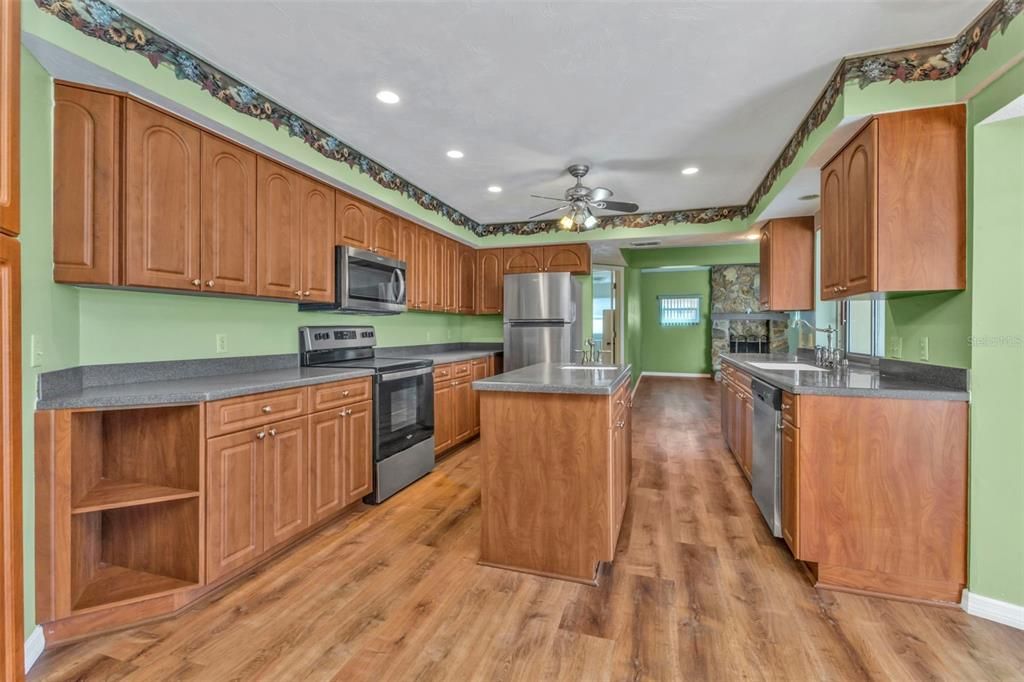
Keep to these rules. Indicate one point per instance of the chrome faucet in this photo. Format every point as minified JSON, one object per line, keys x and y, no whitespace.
{"x":589,"y":355}
{"x":824,"y":356}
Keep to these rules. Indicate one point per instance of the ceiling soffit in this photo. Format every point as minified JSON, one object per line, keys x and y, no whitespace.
{"x":937,"y":61}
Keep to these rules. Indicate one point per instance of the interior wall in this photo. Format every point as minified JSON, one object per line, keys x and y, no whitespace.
{"x":685,"y":350}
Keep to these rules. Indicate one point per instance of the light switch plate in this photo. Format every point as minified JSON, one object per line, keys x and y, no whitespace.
{"x":222,"y":343}
{"x":924,"y":348}
{"x":35,"y":351}
{"x":896,"y":347}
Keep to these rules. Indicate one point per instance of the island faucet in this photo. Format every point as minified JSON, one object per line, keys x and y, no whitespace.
{"x":823,"y":356}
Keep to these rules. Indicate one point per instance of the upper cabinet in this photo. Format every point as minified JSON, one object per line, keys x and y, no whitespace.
{"x":467,"y":280}
{"x":161,"y":211}
{"x":364,"y":226}
{"x":423,"y":270}
{"x":385,"y":235}
{"x":278,"y":234}
{"x":893,"y":206}
{"x":316,"y":210}
{"x":574,"y":258}
{"x":407,"y":251}
{"x":86,"y":186}
{"x":228,"y":217}
{"x":10,"y":113}
{"x":490,"y":288}
{"x":787,"y":264}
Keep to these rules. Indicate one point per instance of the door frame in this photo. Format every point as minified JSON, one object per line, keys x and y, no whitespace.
{"x":618,"y":301}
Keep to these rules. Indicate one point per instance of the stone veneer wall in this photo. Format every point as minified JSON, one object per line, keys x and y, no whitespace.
{"x":737,"y":289}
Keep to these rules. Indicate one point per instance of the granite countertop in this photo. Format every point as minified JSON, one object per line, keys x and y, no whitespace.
{"x":440,"y":357}
{"x":909,"y":381}
{"x":552,"y":378}
{"x":194,"y":389}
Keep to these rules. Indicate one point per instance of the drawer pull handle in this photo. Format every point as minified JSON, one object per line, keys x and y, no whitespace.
{"x":620,"y":401}
{"x":261,"y":435}
{"x":344,"y":394}
{"x":348,"y":411}
{"x":266,"y":409}
{"x":272,"y":432}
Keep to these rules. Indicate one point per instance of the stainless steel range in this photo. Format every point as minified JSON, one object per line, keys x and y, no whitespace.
{"x":403,"y":403}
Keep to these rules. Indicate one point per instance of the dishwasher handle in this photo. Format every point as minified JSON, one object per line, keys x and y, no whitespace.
{"x":767,"y":393}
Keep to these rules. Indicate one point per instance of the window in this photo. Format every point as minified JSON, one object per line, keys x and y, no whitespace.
{"x":679,"y":310}
{"x":865,"y":327}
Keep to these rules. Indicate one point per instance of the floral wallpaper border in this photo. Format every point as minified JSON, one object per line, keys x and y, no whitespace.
{"x":102,"y":21}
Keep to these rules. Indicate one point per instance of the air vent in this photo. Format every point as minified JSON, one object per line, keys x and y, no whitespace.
{"x":643,"y":244}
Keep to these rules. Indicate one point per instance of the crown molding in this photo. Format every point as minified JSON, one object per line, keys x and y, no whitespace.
{"x":938,"y":61}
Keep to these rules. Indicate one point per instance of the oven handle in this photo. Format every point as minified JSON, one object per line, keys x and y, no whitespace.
{"x":395,"y":376}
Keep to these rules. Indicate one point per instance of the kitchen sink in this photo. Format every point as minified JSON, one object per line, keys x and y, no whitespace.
{"x":788,"y":366}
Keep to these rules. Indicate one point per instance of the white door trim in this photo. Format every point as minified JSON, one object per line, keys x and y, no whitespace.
{"x":34,"y":646}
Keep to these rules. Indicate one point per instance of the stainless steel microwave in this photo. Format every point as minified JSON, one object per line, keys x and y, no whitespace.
{"x":366,"y":283}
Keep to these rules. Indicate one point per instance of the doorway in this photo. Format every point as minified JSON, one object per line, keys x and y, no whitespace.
{"x":607,"y":312}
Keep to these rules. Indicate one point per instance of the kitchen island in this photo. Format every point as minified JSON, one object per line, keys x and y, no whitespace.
{"x":555,"y":468}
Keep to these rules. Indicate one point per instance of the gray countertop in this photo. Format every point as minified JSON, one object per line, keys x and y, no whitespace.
{"x":440,"y":357}
{"x":856,"y":381}
{"x":552,"y":378}
{"x":195,"y":389}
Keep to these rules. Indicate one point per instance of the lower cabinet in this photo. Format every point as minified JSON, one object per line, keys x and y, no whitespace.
{"x":234,"y":501}
{"x":285,"y":482}
{"x":456,"y":404}
{"x":340,"y":466}
{"x":791,"y":487}
{"x":444,"y":417}
{"x":738,"y":417}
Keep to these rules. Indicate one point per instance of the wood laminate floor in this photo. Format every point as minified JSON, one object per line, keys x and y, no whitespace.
{"x":698,"y":591}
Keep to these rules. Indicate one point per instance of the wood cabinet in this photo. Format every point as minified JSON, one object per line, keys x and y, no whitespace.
{"x":738,"y":417}
{"x":574,"y":258}
{"x":340,"y":458}
{"x":228,"y":217}
{"x":524,"y":259}
{"x":385,"y":234}
{"x":353,"y":222}
{"x":161,"y":213}
{"x":481,"y":370}
{"x":450,"y":277}
{"x":790,"y":486}
{"x":439,"y":272}
{"x":285,"y":481}
{"x":234,"y":501}
{"x":490,"y":289}
{"x":466,"y":303}
{"x":456,"y":404}
{"x":357,"y":452}
{"x":787,"y":264}
{"x":463,"y":397}
{"x":424,"y":288}
{"x":278,"y":231}
{"x":86,"y":186}
{"x":10,"y":129}
{"x":316,"y":217}
{"x":894,"y":207}
{"x":444,"y":417}
{"x":408,"y":251}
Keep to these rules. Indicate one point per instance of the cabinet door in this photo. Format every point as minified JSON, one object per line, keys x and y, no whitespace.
{"x":161,"y":212}
{"x":357,"y":451}
{"x":444,"y":422}
{"x":451,"y":279}
{"x":407,"y":252}
{"x":234,"y":501}
{"x":463,"y":396}
{"x":86,"y":177}
{"x":524,"y":259}
{"x":574,"y":258}
{"x":317,"y":244}
{"x":467,"y":280}
{"x":480,"y":370}
{"x":439,"y":275}
{"x":791,"y":487}
{"x":766,"y":267}
{"x":353,"y":222}
{"x":11,"y":666}
{"x":490,"y":282}
{"x":860,"y":226}
{"x":10,"y":112}
{"x":285,"y":482}
{"x":228,"y":214}
{"x":278,"y":237}
{"x":326,"y":464}
{"x":385,"y":234}
{"x":832,"y":219}
{"x":424,"y":269}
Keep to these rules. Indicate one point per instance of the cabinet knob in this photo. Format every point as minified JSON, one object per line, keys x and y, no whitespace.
{"x":620,"y":402}
{"x":272,"y":432}
{"x":196,"y":282}
{"x":260,"y":435}
{"x":344,"y":394}
{"x":266,"y":409}
{"x":209,"y":282}
{"x":348,"y":411}
{"x":299,"y":293}
{"x":305,"y":293}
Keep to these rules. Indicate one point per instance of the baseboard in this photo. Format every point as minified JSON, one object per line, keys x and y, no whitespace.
{"x":993,"y":609}
{"x":34,"y":646}
{"x":678,"y":375}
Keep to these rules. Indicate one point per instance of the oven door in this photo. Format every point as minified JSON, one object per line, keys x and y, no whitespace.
{"x":403,"y":408}
{"x":369,"y":282}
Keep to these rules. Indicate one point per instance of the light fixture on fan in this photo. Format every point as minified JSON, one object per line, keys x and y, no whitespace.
{"x":580,"y":200}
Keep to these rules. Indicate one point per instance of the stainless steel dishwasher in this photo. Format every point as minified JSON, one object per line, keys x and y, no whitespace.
{"x":766,"y":469}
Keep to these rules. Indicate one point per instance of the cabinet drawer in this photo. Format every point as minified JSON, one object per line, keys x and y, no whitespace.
{"x":790,"y":409}
{"x":462,"y":369}
{"x":235,"y":414}
{"x":329,"y":396}
{"x":442,"y":373}
{"x":481,"y":361}
{"x":618,"y":404}
{"x":741,"y":379}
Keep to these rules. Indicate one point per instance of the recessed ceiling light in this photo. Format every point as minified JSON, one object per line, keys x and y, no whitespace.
{"x":455,"y":154}
{"x":494,"y":188}
{"x":691,"y":170}
{"x":388,"y":97}
{"x":808,"y":197}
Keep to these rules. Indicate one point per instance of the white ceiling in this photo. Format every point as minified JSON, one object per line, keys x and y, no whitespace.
{"x":636,"y":89}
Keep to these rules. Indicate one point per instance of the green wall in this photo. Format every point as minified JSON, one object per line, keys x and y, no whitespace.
{"x":684,"y":350}
{"x":722,"y":254}
{"x":632,"y":319}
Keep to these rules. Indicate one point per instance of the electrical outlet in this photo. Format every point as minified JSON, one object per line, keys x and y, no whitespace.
{"x":35,"y":351}
{"x":896,"y":347}
{"x":222,"y":343}
{"x":924,"y":348}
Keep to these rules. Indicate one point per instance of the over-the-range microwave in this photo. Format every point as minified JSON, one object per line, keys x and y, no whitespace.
{"x":366,"y":283}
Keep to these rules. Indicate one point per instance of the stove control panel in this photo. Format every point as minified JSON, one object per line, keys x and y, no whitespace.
{"x":333,"y":338}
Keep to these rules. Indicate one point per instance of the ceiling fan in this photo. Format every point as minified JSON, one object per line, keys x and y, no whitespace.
{"x":581,"y":200}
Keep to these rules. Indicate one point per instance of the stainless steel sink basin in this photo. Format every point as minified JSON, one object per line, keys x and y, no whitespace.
{"x":788,"y":366}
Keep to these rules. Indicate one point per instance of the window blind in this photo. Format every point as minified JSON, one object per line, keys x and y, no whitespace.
{"x":679,"y":310}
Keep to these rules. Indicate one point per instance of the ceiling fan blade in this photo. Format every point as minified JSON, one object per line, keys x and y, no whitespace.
{"x":557,"y":208}
{"x":538,"y":196}
{"x":600,"y":193}
{"x":622,"y":206}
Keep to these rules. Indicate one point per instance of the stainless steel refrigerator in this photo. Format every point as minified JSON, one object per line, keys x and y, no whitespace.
{"x":541,"y":319}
